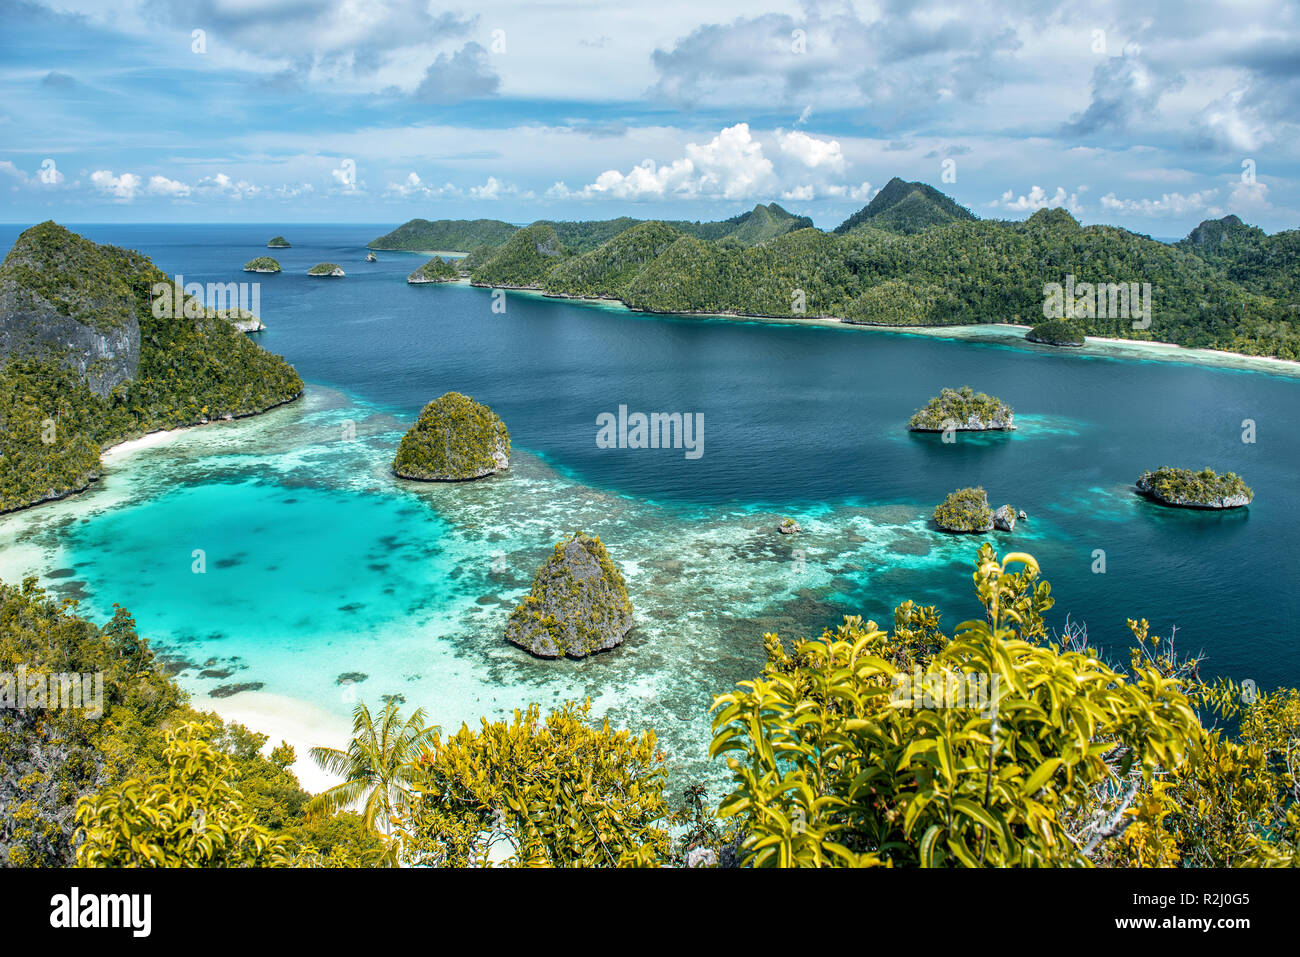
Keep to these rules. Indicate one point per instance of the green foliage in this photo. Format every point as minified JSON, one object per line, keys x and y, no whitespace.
{"x":555,"y":792}
{"x":1057,"y":332}
{"x":332,"y":270}
{"x":454,"y":438}
{"x":524,"y":260}
{"x":446,"y":235}
{"x":604,"y":272}
{"x":49,"y":757}
{"x":962,"y":410}
{"x":79,"y":278}
{"x":906,"y":208}
{"x":262,"y":264}
{"x":376,"y":768}
{"x":921,"y":263}
{"x":1206,"y":488}
{"x":578,"y":604}
{"x":277,"y":242}
{"x":831,"y":766}
{"x":1268,"y":265}
{"x":190,"y":815}
{"x":965,"y":510}
{"x":436,"y":269}
{"x":193,"y":367}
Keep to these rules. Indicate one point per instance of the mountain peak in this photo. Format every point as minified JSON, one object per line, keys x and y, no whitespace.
{"x":906,"y":207}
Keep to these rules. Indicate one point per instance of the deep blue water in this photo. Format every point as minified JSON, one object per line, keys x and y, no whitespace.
{"x":807,"y":419}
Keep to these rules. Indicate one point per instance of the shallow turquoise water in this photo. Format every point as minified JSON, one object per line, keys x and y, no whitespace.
{"x":319,"y":564}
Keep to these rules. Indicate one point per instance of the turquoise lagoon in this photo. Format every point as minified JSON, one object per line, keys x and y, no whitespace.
{"x":321,"y":567}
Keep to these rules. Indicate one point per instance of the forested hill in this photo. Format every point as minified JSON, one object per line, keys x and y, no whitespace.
{"x":85,"y":363}
{"x":1269,"y":265}
{"x":1224,"y":287}
{"x":445,"y":235}
{"x":580,"y":236}
{"x":906,"y":208}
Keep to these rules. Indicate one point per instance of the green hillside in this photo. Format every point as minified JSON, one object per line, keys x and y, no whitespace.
{"x":446,"y":235}
{"x":906,"y":208}
{"x":524,"y":260}
{"x":1266,"y":264}
{"x":605,"y":271}
{"x":64,"y":302}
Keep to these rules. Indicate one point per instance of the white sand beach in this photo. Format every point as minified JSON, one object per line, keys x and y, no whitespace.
{"x":303,"y":724}
{"x":149,"y":441}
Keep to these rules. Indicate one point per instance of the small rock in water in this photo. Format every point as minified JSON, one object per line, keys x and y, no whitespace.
{"x":788,"y":526}
{"x":1004,"y":519}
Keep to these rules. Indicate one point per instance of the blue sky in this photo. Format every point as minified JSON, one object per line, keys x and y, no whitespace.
{"x":1153,"y":116}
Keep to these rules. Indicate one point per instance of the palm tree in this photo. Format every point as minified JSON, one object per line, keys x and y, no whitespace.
{"x":376,"y":768}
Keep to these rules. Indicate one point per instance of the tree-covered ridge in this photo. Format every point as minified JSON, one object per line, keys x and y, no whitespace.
{"x":277,"y":242}
{"x":454,"y":438}
{"x":962,"y":410}
{"x":968,"y":271}
{"x":579,"y":236}
{"x":524,"y":260}
{"x":436,"y":269}
{"x":180,"y":371}
{"x":1268,"y":265}
{"x":606,"y":271}
{"x":79,"y":278}
{"x":262,"y":264}
{"x":1195,"y":489}
{"x":328,"y":270}
{"x":446,"y":235}
{"x":906,"y":208}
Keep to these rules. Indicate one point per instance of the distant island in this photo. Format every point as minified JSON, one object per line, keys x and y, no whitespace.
{"x":79,"y":337}
{"x":262,"y":264}
{"x":436,"y":269}
{"x":1057,"y":332}
{"x":910,"y":257}
{"x":1185,"y":488}
{"x":454,"y":439}
{"x":963,"y":410}
{"x":466,"y":236}
{"x":327,"y":270}
{"x":277,"y":242}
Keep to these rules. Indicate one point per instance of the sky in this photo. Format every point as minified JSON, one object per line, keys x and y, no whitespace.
{"x":1148,"y":115}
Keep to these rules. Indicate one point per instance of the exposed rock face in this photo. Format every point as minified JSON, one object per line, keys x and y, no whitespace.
{"x":788,"y":526}
{"x":326,"y":271}
{"x":1185,"y":488}
{"x":1004,"y":519}
{"x":371,"y":258}
{"x":60,"y":300}
{"x":454,"y":439}
{"x":578,"y":604}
